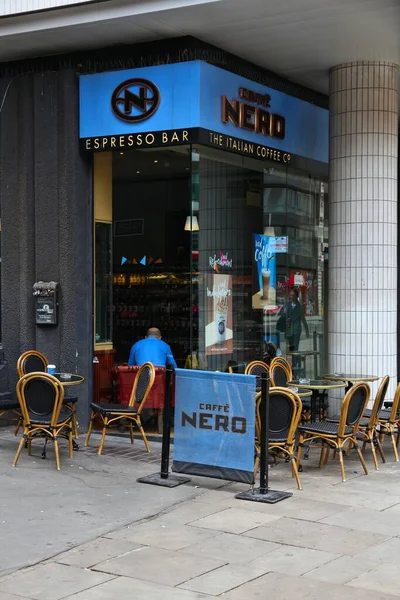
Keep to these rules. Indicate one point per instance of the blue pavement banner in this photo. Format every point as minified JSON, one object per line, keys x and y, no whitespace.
{"x":214,"y":425}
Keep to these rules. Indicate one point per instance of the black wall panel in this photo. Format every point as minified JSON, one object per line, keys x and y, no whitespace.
{"x":46,"y":214}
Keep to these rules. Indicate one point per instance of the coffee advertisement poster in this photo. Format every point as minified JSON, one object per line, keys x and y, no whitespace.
{"x":219,"y":333}
{"x":264,"y":272}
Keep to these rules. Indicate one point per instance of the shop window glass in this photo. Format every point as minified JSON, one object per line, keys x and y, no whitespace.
{"x":103,"y":270}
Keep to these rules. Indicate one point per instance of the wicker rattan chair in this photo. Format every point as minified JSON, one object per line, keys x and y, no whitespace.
{"x":284,"y":414}
{"x":110,"y":413}
{"x":336,"y":434}
{"x":35,"y":361}
{"x":389,"y":422}
{"x":41,"y":400}
{"x":257,"y":367}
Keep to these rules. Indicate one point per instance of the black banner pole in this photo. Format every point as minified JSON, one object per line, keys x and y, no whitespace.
{"x":164,"y":477}
{"x":264,"y":439}
{"x":263,"y":493}
{"x":166,"y":433}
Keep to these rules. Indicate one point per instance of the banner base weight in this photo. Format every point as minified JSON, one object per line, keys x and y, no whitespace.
{"x":271,"y":497}
{"x":170,"y":482}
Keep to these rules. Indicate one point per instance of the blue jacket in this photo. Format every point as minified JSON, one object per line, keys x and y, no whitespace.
{"x":151,"y":350}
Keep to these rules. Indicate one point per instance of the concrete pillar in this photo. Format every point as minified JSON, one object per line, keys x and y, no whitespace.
{"x":362,"y":321}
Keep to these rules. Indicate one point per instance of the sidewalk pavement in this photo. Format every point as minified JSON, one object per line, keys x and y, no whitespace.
{"x":331,"y":540}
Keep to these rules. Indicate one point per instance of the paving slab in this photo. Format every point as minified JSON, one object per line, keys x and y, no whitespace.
{"x":317,"y":536}
{"x":87,"y":555}
{"x":234,"y":520}
{"x":364,"y":519}
{"x":387,"y":552}
{"x":160,"y":566}
{"x":285,"y":587}
{"x":159,"y":533}
{"x":224,"y":579}
{"x":293,"y":560}
{"x":5,"y":596}
{"x":232,"y":548}
{"x":384,"y":578}
{"x":342,"y":570}
{"x":51,"y":581}
{"x":123,"y":588}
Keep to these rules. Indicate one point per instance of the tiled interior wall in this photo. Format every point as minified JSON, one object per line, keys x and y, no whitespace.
{"x":363,"y":189}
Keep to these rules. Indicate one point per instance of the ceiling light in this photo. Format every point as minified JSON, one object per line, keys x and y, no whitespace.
{"x":138,"y":172}
{"x":156,"y":161}
{"x":191,"y":224}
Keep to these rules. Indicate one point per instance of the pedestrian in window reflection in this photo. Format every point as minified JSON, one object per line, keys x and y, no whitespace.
{"x":295,"y":319}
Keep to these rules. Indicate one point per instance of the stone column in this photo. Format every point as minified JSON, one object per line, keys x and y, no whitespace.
{"x":362,"y":320}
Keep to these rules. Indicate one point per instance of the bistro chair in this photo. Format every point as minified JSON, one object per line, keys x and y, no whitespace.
{"x":336,"y":434}
{"x":257,"y":368}
{"x":110,"y":413}
{"x":41,"y":400}
{"x":285,"y":408}
{"x":34,"y":361}
{"x":368,"y":429}
{"x":389,"y":421}
{"x":280,"y":372}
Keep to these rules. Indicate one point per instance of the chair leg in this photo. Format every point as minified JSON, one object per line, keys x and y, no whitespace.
{"x":140,"y":426}
{"x":19,"y":450}
{"x":392,"y":439}
{"x":322,"y":456}
{"x":371,"y":439}
{"x":131,"y":432}
{"x":89,"y":432}
{"x":361,"y":457}
{"x":75,"y":425}
{"x":29,"y":445}
{"x":340,"y":452}
{"x":379,"y":446}
{"x":56,"y":452}
{"x":103,"y":435}
{"x":70,"y":445}
{"x":20,"y":420}
{"x":296,"y":472}
{"x":300,"y":449}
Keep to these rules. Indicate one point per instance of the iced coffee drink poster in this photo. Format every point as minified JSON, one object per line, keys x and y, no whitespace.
{"x":219,"y":334}
{"x":264,"y":272}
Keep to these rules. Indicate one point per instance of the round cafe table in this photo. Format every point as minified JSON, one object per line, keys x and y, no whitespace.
{"x":316,"y":385}
{"x":351,"y":379}
{"x":67,"y":379}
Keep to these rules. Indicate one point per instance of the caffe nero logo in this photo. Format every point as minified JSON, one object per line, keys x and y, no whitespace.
{"x":135,"y":100}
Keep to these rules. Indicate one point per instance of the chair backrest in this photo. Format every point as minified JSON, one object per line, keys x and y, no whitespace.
{"x":31,"y":361}
{"x":353,"y":407}
{"x":394,"y":416}
{"x":257,"y":368}
{"x":142,"y":386}
{"x":378,"y":402}
{"x":280,"y":373}
{"x":40,"y":395}
{"x":285,"y":408}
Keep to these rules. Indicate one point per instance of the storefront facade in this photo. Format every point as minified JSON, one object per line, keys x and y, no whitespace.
{"x":187,"y":196}
{"x":215,"y":210}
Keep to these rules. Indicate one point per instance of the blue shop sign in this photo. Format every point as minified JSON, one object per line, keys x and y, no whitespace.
{"x":195,"y":102}
{"x":214,"y":425}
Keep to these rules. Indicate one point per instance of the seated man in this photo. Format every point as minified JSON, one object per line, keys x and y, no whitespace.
{"x":151,"y":349}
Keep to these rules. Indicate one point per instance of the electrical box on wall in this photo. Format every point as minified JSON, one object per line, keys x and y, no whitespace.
{"x":46,"y":302}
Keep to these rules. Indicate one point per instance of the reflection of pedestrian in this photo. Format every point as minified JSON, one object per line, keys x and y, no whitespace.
{"x":295,"y":319}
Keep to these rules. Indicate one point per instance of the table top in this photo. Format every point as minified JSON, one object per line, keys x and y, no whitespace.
{"x":317,"y":384}
{"x":303,"y":393}
{"x":303,"y":352}
{"x":68,"y":378}
{"x":350,"y":377}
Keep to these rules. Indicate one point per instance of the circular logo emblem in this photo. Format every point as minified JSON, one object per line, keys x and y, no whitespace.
{"x":135,"y":100}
